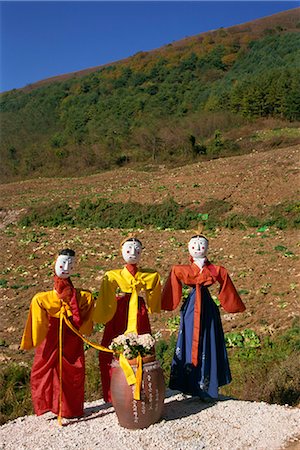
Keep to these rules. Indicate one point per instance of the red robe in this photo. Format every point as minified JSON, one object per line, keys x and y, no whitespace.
{"x":116,"y":326}
{"x":45,"y":373}
{"x":42,"y":332}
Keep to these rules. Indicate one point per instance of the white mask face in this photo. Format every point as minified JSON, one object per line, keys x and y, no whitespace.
{"x":131,"y":252}
{"x":198,"y":247}
{"x":64,"y":266}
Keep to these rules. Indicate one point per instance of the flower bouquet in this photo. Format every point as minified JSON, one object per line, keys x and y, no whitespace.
{"x":132,"y":345}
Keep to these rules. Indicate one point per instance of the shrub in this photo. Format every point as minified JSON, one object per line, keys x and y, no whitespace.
{"x":168,"y":214}
{"x":52,"y":216}
{"x":122,"y":160}
{"x":283,"y":386}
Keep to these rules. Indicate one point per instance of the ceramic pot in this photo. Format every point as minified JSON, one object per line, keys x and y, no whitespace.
{"x":135,"y":414}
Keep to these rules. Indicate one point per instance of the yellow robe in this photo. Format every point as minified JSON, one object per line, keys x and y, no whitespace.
{"x":45,"y":304}
{"x":144,"y":280}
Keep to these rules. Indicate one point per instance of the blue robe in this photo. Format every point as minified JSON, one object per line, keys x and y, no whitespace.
{"x":213,"y":368}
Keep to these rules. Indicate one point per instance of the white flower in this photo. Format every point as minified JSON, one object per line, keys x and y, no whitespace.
{"x":132,"y":344}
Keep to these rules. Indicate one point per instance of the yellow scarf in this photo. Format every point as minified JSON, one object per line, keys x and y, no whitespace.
{"x":47,"y":304}
{"x":106,"y":305}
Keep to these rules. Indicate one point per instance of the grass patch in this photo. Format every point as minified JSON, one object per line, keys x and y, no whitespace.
{"x":3,"y":283}
{"x":164,"y":352}
{"x":15,"y":396}
{"x":284,"y":215}
{"x":92,"y":388}
{"x":267,"y":373}
{"x":104,"y":214}
{"x":167,"y":215}
{"x":266,"y":135}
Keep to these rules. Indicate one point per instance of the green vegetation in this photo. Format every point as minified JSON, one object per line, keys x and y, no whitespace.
{"x":171,"y":105}
{"x":15,"y":397}
{"x":3,"y":343}
{"x":245,"y":339}
{"x":164,"y":352}
{"x":3,"y":283}
{"x":92,"y":388}
{"x":173,"y":324}
{"x":103,"y":214}
{"x":265,"y":135}
{"x":269,"y":372}
{"x":169,"y":214}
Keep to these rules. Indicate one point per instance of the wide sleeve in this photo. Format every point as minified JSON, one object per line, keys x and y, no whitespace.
{"x":86,"y":309}
{"x":228,"y":296}
{"x":153,"y":295}
{"x":106,"y":303}
{"x":36,"y":327}
{"x":172,"y":292}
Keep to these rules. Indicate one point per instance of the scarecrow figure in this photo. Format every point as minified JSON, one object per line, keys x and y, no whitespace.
{"x":58,"y":370}
{"x":200,"y":363}
{"x":121,"y":307}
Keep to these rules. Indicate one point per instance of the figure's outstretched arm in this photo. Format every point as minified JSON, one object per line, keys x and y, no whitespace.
{"x":86,"y":309}
{"x":153,"y":296}
{"x":228,"y":295}
{"x":172,"y":292}
{"x":106,"y":303}
{"x":36,"y":327}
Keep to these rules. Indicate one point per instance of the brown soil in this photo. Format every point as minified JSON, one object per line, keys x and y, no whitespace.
{"x":267,"y":277}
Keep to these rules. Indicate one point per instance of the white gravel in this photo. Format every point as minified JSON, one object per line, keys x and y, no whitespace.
{"x":187,"y":424}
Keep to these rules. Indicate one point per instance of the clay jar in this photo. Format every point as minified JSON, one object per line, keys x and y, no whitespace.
{"x":135,"y":414}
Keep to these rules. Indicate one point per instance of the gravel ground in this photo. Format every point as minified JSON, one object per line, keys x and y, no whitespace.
{"x":187,"y":424}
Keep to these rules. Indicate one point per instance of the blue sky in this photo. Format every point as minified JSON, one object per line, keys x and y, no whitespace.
{"x":40,"y":39}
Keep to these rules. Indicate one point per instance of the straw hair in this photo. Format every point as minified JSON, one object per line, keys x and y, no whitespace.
{"x":199,"y":232}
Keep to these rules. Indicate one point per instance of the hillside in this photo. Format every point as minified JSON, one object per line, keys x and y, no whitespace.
{"x":191,"y":100}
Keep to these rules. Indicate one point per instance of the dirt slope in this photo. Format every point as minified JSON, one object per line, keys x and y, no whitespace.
{"x":249,"y":182}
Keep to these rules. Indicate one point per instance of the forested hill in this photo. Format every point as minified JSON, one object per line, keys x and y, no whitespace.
{"x":168,"y":105}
